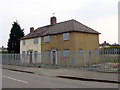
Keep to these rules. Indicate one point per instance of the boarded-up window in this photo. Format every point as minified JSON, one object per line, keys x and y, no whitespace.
{"x":27,"y":53}
{"x":47,"y":54}
{"x":35,"y":54}
{"x":81,"y":52}
{"x":96,"y":52}
{"x":23,"y":42}
{"x":23,"y":54}
{"x":46,"y":38}
{"x":35,"y":40}
{"x":59,"y":53}
{"x":65,"y":36}
{"x":66,"y":53}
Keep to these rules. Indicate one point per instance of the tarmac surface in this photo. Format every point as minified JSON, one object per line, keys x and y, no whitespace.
{"x":15,"y":79}
{"x":67,"y":73}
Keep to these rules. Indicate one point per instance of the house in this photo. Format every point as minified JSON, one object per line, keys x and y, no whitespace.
{"x":64,"y":37}
{"x":115,"y":45}
{"x":3,"y":49}
{"x":107,"y":45}
{"x":104,"y":45}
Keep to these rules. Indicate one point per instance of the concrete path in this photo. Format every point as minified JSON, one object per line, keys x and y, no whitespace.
{"x":85,"y":74}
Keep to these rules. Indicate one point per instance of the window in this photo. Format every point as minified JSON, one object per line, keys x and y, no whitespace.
{"x":46,"y":38}
{"x":59,"y":52}
{"x":81,"y":52}
{"x":65,"y":36}
{"x":23,"y":42}
{"x":47,"y":54}
{"x":35,"y":54}
{"x":66,"y":53}
{"x":96,"y":52}
{"x":35,"y":40}
{"x":27,"y":53}
{"x":23,"y":54}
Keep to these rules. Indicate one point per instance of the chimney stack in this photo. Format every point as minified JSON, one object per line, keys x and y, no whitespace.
{"x":104,"y":41}
{"x":31,"y":29}
{"x":53,"y":20}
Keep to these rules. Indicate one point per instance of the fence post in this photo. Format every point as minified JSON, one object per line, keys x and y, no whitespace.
{"x":90,"y":60}
{"x":118,"y":62}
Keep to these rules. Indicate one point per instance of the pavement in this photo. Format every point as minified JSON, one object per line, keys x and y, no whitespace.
{"x":78,"y":74}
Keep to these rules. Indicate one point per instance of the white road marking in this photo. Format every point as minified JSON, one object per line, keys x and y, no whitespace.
{"x":15,"y":79}
{"x":16,"y":72}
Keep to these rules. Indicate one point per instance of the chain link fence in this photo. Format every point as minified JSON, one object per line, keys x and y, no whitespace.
{"x":94,"y":60}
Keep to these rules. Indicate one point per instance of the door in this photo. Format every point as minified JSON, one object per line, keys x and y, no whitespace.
{"x":54,"y":57}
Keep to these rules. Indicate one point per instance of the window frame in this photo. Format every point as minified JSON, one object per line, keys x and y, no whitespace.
{"x":59,"y":53}
{"x":36,"y":40}
{"x":81,"y":51}
{"x":35,"y":55}
{"x":23,"y":54}
{"x":23,"y":42}
{"x":47,"y":54}
{"x":66,"y":51}
{"x":46,"y":39}
{"x":66,"y":36}
{"x":96,"y":52}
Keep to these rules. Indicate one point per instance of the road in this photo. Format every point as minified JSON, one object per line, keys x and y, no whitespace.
{"x":13,"y":79}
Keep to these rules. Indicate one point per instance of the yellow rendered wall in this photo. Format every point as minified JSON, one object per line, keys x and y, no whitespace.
{"x":76,"y":42}
{"x":57,"y":42}
{"x":86,"y":41}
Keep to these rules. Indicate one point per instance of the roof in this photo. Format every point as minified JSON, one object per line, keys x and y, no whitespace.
{"x":62,"y":27}
{"x":3,"y":48}
{"x":115,"y":45}
{"x":105,"y":44}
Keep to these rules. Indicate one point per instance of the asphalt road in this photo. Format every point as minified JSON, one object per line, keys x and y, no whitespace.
{"x":13,"y":79}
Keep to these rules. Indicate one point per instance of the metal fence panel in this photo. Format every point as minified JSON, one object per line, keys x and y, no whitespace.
{"x":94,"y":60}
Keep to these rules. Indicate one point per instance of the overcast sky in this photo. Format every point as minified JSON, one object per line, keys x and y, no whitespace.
{"x":101,"y":15}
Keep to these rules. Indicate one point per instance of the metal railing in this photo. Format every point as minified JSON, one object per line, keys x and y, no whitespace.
{"x":102,"y":60}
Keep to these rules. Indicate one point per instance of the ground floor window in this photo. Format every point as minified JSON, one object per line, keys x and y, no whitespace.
{"x":96,"y":52}
{"x":81,"y":52}
{"x":27,"y":53}
{"x":47,"y":54}
{"x":35,"y":54}
{"x":23,"y":54}
{"x":59,"y":53}
{"x":66,"y":52}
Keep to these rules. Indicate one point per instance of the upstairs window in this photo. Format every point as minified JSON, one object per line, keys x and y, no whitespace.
{"x":35,"y":40}
{"x":65,"y":36}
{"x":23,"y":42}
{"x":46,"y":39}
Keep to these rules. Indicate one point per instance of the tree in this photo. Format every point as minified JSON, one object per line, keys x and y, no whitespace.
{"x":14,"y":41}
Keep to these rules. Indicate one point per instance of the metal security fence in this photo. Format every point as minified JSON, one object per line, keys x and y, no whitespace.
{"x":94,"y":60}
